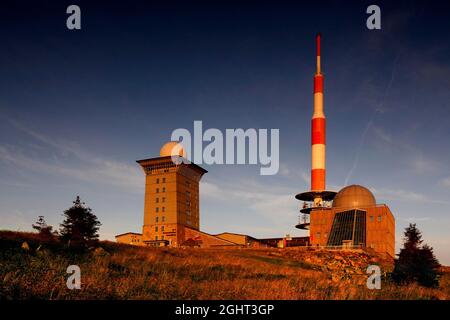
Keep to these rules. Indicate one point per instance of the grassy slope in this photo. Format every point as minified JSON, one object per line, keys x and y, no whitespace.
{"x":126,"y":272}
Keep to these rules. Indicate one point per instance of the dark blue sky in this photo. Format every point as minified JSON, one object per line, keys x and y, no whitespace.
{"x":77,"y":108}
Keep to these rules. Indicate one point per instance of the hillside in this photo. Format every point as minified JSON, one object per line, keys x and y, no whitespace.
{"x":125,"y":272}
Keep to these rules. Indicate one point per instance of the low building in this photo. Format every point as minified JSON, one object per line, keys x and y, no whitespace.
{"x":285,"y":242}
{"x":130,"y":238}
{"x":239,"y":239}
{"x":354,"y":220}
{"x":197,"y":238}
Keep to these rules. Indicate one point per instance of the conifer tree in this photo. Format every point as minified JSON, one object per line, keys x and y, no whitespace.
{"x":80,"y":226}
{"x":45,"y":231}
{"x":416,"y":263}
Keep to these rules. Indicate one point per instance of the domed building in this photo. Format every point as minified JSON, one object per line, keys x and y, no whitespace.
{"x":354,"y":220}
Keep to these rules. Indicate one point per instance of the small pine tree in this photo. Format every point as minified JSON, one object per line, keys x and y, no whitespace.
{"x":80,"y":226}
{"x":416,"y":263}
{"x":45,"y":231}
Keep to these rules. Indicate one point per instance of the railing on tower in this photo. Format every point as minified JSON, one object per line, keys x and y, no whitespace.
{"x":303,"y":218}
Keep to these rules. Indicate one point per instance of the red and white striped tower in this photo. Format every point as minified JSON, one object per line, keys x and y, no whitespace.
{"x":315,"y":197}
{"x":318,"y":130}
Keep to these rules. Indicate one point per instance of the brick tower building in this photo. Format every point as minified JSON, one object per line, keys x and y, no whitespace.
{"x":171,"y":202}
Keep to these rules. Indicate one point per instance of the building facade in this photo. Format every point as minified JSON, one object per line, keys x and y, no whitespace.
{"x":354,"y":221}
{"x":132,"y":238}
{"x":171,"y":197}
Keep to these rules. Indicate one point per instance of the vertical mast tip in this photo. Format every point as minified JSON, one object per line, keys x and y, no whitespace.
{"x":318,"y":53}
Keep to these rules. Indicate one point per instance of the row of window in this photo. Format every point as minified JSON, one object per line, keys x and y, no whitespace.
{"x":162,"y":190}
{"x":318,"y":234}
{"x":163,"y":219}
{"x":372,"y":218}
{"x":156,"y":228}
{"x":163,"y":180}
{"x":188,"y":203}
{"x":163,"y":199}
{"x":163,"y":210}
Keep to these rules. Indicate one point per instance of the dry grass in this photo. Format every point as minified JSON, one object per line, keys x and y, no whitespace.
{"x":125,"y":272}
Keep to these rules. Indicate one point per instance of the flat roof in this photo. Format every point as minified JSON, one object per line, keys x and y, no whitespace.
{"x":123,"y":234}
{"x":189,"y":163}
{"x":237,"y":234}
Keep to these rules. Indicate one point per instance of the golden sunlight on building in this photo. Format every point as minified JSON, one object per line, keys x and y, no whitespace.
{"x":172,"y":208}
{"x":171,"y":197}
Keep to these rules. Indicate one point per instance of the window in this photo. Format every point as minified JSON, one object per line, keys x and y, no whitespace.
{"x":156,"y":219}
{"x":188,"y":184}
{"x":156,"y":237}
{"x":318,"y":234}
{"x":188,"y":194}
{"x":164,"y":180}
{"x":163,"y":209}
{"x":163,"y":218}
{"x":162,"y":237}
{"x":157,"y":190}
{"x":164,"y":189}
{"x":156,"y":228}
{"x":348,"y":225}
{"x":371,"y":218}
{"x":157,"y":200}
{"x":157,"y":180}
{"x":379,"y":218}
{"x":157,"y":209}
{"x":163,"y":199}
{"x":162,"y":228}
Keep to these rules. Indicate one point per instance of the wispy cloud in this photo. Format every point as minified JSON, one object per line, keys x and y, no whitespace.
{"x":423,"y":165}
{"x":415,"y":159}
{"x":405,"y":195}
{"x":445,"y":182}
{"x":294,"y":173}
{"x":68,"y":159}
{"x":416,"y":219}
{"x":275,"y":203}
{"x":382,"y":135}
{"x":378,"y":109}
